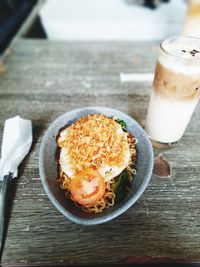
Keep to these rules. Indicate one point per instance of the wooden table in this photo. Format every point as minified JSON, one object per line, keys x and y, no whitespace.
{"x":44,"y":79}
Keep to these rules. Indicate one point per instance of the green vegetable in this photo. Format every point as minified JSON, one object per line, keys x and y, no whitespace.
{"x":120,"y":188}
{"x":123,"y":124}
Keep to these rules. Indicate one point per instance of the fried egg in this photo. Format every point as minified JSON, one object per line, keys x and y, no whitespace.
{"x":82,"y":147}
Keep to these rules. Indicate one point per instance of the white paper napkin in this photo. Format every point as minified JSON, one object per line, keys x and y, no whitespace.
{"x":16,"y":143}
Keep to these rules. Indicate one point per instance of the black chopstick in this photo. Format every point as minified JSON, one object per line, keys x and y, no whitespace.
{"x":4,"y":197}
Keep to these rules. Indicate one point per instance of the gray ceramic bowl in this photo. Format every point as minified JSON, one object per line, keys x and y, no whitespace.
{"x":48,"y":167}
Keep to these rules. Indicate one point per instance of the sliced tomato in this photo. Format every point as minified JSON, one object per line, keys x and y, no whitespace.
{"x":87,"y":188}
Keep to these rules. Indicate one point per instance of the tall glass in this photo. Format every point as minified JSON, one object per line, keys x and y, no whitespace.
{"x":176,"y":90}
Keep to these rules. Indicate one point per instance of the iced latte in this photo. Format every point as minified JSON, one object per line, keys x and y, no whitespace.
{"x":176,"y":89}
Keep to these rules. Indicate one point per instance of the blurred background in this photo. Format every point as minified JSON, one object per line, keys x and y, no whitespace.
{"x":85,"y":20}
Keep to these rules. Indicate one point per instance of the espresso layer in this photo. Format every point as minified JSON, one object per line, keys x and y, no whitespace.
{"x":169,"y":83}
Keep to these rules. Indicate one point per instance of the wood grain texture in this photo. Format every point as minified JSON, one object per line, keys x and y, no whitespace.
{"x":45,"y":79}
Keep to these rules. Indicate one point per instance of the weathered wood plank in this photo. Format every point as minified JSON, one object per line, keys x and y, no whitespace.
{"x":44,"y":79}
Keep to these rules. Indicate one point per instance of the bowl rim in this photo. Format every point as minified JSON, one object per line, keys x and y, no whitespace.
{"x":129,"y":202}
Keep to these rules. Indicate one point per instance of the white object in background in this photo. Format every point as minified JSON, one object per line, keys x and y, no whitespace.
{"x":192,"y":19}
{"x":110,"y":20}
{"x":136,"y":77}
{"x":16,"y":143}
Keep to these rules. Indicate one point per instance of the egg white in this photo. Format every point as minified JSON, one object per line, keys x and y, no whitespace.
{"x":107,"y":172}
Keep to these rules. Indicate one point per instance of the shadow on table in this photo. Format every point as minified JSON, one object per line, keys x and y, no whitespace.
{"x":12,"y":193}
{"x":111,"y":265}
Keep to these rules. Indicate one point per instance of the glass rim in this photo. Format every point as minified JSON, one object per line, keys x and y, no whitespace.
{"x":177,"y":56}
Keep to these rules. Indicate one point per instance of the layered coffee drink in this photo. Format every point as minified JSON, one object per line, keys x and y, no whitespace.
{"x":176,"y":89}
